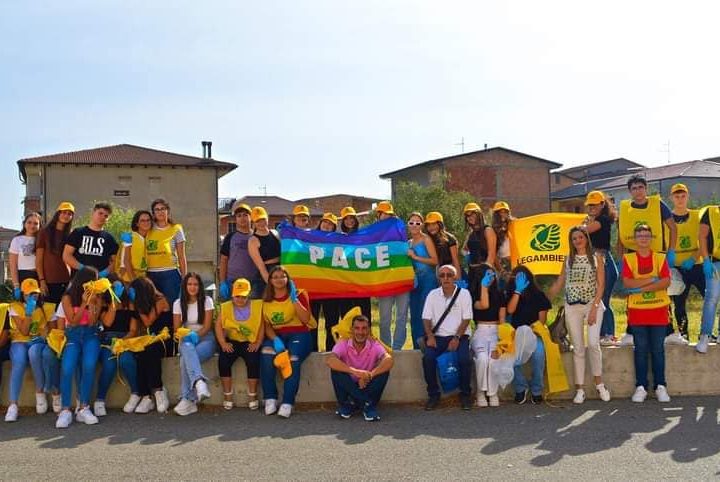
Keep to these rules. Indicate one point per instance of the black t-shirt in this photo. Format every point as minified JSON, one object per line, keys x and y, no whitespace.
{"x":443,"y":248}
{"x":492,"y":313}
{"x":93,"y":248}
{"x":122,"y":321}
{"x":600,"y":239}
{"x":529,"y":307}
{"x":706,"y":221}
{"x":477,"y":245}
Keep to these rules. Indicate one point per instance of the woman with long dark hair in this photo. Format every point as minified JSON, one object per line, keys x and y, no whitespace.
{"x":480,"y":244}
{"x":194,"y":310}
{"x":288,"y":321}
{"x":52,"y":271}
{"x":446,"y":244}
{"x":133,"y":258}
{"x":501,"y":219}
{"x":154,"y":313}
{"x":22,"y":252}
{"x":165,"y":251}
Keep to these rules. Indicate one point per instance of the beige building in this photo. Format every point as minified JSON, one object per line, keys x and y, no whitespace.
{"x":132,"y":176}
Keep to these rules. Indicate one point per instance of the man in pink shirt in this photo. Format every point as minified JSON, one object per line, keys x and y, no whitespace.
{"x":359,"y":369}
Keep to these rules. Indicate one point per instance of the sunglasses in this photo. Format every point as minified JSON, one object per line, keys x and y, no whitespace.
{"x":414,"y":223}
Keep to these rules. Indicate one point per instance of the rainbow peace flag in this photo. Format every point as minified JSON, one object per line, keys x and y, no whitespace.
{"x":371,"y":262}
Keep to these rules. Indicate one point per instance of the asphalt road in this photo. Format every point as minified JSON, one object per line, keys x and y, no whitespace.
{"x":617,"y":440}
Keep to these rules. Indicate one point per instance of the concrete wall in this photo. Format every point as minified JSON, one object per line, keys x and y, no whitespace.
{"x":191,"y":193}
{"x":687,"y":372}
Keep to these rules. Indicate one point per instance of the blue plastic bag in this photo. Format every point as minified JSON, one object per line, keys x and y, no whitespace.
{"x":449,"y":371}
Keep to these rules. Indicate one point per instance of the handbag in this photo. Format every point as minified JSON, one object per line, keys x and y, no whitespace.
{"x":448,"y":371}
{"x":421,"y":341}
{"x":559,"y":333}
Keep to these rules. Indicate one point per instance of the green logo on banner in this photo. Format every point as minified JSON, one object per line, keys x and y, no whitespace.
{"x":546,"y":237}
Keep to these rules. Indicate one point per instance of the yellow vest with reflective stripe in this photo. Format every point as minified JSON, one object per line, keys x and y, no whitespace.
{"x":38,"y":326}
{"x":687,"y":238}
{"x":648,"y":299}
{"x":631,"y":217}
{"x":158,"y":248}
{"x":242,"y":330}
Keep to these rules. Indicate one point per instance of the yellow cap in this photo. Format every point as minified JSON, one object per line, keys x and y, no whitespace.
{"x":385,"y":207}
{"x":501,"y":205}
{"x":348,"y":211}
{"x":65,"y":206}
{"x":240,"y":205}
{"x":29,"y":286}
{"x":301,"y":209}
{"x":241,"y":287}
{"x":257,"y":213}
{"x":678,"y":188}
{"x":330,"y":217}
{"x":594,"y":197}
{"x":469,"y":207}
{"x":433,"y":217}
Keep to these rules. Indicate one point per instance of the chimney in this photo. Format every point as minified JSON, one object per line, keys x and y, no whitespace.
{"x":207,"y":149}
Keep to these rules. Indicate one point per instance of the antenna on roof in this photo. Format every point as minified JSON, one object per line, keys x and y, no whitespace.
{"x":667,"y":150}
{"x":263,"y":188}
{"x":461,"y":144}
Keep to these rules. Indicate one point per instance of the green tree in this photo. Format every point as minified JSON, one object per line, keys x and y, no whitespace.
{"x":119,"y":220}
{"x":410,"y":196}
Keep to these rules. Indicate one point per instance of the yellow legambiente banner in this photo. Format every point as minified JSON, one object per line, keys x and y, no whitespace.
{"x":540,"y":242}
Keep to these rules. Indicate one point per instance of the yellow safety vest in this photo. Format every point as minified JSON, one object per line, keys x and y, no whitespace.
{"x":158,"y":248}
{"x":281,"y":314}
{"x":38,"y":326}
{"x":241,"y":331}
{"x":714,"y":215}
{"x":648,"y":299}
{"x":687,"y":237}
{"x":137,"y":253}
{"x":631,"y":217}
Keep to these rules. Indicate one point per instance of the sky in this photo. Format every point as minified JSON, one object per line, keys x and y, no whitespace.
{"x":318,"y":97}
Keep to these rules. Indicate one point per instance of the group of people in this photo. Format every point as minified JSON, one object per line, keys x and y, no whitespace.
{"x":82,"y":300}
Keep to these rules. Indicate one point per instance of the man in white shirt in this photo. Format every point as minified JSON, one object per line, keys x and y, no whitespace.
{"x":453,"y":334}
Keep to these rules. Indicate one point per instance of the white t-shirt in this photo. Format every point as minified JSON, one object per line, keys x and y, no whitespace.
{"x":435,"y":305}
{"x":24,"y":247}
{"x":192,"y":321}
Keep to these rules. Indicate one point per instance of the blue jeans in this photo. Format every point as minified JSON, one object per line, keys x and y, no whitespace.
{"x":712,"y":295}
{"x":45,"y":367}
{"x":649,"y":340}
{"x":611,"y":275}
{"x":691,"y":277}
{"x":167,"y":282}
{"x":401,"y":311}
{"x":82,"y":349}
{"x":19,"y":362}
{"x":191,"y":358}
{"x":425,"y":284}
{"x":299,"y":345}
{"x":537,"y":362}
{"x":429,"y":361}
{"x":347,"y":389}
{"x":109,"y":366}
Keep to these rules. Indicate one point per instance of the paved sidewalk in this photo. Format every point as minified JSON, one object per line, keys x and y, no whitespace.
{"x":617,"y":440}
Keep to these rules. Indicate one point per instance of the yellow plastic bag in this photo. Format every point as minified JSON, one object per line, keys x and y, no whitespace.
{"x":138,"y":343}
{"x":555,"y":371}
{"x":57,"y":340}
{"x":506,"y":339}
{"x":343,"y":330}
{"x":100,"y":286}
{"x":282,"y":362}
{"x":181,"y":333}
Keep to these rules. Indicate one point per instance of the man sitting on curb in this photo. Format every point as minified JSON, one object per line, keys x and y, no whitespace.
{"x":359,"y":369}
{"x":446,"y":316}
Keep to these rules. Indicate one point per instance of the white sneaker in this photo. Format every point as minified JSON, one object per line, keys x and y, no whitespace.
{"x":579,"y":396}
{"x":12,"y":413}
{"x":86,"y":416}
{"x":661,"y":394}
{"x":482,"y":400}
{"x":675,"y":339}
{"x":603,"y":392}
{"x":99,"y":408}
{"x":702,"y":344}
{"x":627,"y":340}
{"x":640,"y":394}
{"x":270,"y":406}
{"x":285,"y":410}
{"x":161,"y":401}
{"x":494,"y":400}
{"x":201,"y":390}
{"x":41,"y":405}
{"x":64,"y":419}
{"x":146,"y":405}
{"x":57,"y":403}
{"x":607,"y":340}
{"x":185,"y":407}
{"x":132,"y":403}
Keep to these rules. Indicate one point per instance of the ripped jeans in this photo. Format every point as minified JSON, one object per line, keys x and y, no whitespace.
{"x":299,"y":345}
